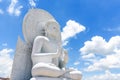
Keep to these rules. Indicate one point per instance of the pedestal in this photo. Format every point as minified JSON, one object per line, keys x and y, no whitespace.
{"x":48,"y":78}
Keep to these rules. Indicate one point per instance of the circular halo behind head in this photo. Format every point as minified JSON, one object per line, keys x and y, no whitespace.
{"x":33,"y":21}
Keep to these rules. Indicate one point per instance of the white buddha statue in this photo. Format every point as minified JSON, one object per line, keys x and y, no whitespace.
{"x":47,"y":51}
{"x":42,"y":55}
{"x":47,"y":54}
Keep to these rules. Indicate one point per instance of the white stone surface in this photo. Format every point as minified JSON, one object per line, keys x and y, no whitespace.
{"x":33,"y":23}
{"x":46,"y":48}
{"x":48,"y":78}
{"x":22,"y":64}
{"x":41,"y":55}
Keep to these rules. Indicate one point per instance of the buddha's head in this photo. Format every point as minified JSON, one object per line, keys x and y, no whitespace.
{"x":38,"y":22}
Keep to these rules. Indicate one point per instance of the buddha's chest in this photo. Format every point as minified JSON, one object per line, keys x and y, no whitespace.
{"x":49,"y":47}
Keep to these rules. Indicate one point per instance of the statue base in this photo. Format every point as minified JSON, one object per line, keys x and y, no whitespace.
{"x":48,"y":78}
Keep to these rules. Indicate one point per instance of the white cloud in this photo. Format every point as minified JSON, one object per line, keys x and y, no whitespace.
{"x":65,"y":43}
{"x":12,"y":6}
{"x":32,"y":3}
{"x":88,"y":56}
{"x":5,"y":62}
{"x":17,"y":10}
{"x":12,"y":9}
{"x":107,"y":76}
{"x":77,"y":63}
{"x":1,"y":11}
{"x":110,"y":50}
{"x":98,"y":45}
{"x":71,"y":29}
{"x":110,"y":61}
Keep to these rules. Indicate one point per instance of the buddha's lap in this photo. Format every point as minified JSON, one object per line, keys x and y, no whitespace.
{"x":46,"y":69}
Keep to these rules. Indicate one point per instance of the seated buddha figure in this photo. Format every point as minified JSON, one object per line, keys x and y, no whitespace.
{"x":46,"y":51}
{"x":48,"y":57}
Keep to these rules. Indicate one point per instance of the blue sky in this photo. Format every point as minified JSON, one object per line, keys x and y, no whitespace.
{"x":90,"y":32}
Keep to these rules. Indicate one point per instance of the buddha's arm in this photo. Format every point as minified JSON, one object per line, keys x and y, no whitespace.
{"x":38,"y":43}
{"x":52,"y":55}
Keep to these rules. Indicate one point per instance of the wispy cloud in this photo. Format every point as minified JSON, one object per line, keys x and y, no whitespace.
{"x":4,"y":44}
{"x":12,"y":9}
{"x":12,"y":6}
{"x":5,"y":62}
{"x":1,"y":11}
{"x":70,"y":30}
{"x":106,"y":76}
{"x":17,"y":10}
{"x":32,"y":3}
{"x":76,"y":63}
{"x":116,"y":29}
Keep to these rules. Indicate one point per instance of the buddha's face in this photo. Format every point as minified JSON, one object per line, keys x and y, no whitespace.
{"x":49,"y":29}
{"x":52,"y":30}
